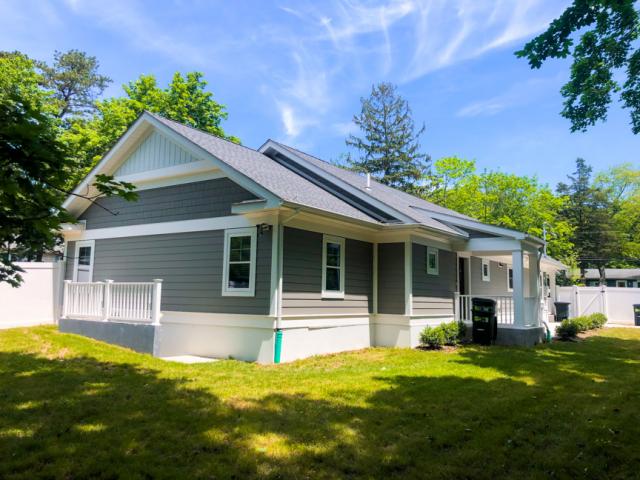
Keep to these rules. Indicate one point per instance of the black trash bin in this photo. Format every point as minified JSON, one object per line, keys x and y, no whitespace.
{"x":484,"y":321}
{"x":636,"y":314}
{"x":562,"y":310}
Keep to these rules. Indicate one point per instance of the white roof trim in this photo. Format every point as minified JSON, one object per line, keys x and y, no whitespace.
{"x":76,"y":205}
{"x":479,"y":226}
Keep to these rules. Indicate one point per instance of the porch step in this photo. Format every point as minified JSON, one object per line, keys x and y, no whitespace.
{"x":189,"y":359}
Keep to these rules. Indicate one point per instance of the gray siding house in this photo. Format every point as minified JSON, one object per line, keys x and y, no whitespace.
{"x":272,"y":255}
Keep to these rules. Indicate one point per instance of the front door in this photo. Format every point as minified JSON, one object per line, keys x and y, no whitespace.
{"x":462,"y":276}
{"x":84,"y":261}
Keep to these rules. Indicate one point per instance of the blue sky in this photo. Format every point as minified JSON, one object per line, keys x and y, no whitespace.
{"x":295,"y":70}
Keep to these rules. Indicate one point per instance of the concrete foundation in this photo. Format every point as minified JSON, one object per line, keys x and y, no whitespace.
{"x":137,"y":337}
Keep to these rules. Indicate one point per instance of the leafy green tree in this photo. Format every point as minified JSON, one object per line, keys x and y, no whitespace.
{"x":589,"y":210}
{"x":389,"y":145}
{"x":506,"y":200}
{"x":185,"y":100}
{"x":34,"y":165}
{"x":608,"y":31}
{"x":75,"y":82}
{"x":622,"y":187}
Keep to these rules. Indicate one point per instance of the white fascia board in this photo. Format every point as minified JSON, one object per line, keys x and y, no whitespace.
{"x":490,"y":245}
{"x":249,"y":206}
{"x":479,"y":226}
{"x":76,"y":205}
{"x":163,"y":228}
{"x":342,"y":184}
{"x":175,"y":171}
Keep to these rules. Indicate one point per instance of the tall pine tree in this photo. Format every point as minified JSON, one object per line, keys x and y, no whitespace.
{"x":389,"y":145}
{"x":589,"y":211}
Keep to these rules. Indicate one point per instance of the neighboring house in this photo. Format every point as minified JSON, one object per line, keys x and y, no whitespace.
{"x":275,"y":255}
{"x":615,"y":277}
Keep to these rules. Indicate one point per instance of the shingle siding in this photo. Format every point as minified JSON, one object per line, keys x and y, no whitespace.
{"x":302,"y":275}
{"x":433,"y":294}
{"x":210,"y":198}
{"x":391,"y":278}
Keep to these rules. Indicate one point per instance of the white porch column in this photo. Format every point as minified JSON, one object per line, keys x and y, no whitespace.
{"x":518,"y":288}
{"x":156,"y":301}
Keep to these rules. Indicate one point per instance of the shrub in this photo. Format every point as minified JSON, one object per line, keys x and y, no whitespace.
{"x":432,"y":337}
{"x":571,"y":327}
{"x":567,"y":329}
{"x":598,"y":320}
{"x":582,"y":323}
{"x":444,"y":334}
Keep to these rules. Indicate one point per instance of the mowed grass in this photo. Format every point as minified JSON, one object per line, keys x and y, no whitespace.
{"x":71,"y":407}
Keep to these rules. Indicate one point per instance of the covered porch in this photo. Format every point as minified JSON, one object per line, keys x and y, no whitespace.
{"x":514,"y":273}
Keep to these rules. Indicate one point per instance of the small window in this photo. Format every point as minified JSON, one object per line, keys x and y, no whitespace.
{"x":486,"y":271}
{"x":510,"y":279}
{"x":240,"y":262}
{"x":432,"y":261}
{"x":621,"y":283}
{"x":332,"y":267}
{"x":84,"y":256}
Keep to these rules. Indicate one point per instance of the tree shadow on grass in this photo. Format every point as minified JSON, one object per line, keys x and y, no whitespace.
{"x":81,"y":418}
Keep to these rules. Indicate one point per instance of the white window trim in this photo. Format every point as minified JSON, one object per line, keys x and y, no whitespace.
{"x":618,"y":282}
{"x":331,"y":293}
{"x":509,"y":269}
{"x":83,"y":243}
{"x":433,"y":271}
{"x":487,"y":277}
{"x":239,"y":292}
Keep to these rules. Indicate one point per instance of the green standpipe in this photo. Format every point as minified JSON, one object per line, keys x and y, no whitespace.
{"x":278,"y":347}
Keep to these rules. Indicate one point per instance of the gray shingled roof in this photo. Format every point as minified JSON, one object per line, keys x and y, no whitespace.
{"x":293,"y":188}
{"x":277,"y":179}
{"x":411,"y":206}
{"x":613,"y":273}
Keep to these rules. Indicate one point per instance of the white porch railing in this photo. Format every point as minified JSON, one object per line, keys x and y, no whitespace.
{"x":505,"y":311}
{"x":504,"y":307}
{"x":115,"y":301}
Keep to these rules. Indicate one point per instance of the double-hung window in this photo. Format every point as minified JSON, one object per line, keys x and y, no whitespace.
{"x":332,"y":267}
{"x":432,"y":261}
{"x":239,"y":270}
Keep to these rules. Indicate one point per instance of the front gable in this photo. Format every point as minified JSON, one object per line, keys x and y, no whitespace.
{"x":155,"y":152}
{"x":150,"y":155}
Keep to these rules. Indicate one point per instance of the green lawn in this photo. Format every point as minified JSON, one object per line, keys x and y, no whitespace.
{"x":74,"y":408}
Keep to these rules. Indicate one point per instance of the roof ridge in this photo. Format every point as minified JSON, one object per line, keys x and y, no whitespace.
{"x":380,"y":184}
{"x":199,"y":130}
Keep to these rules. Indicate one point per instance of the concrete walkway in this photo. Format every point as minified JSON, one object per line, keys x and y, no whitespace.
{"x":189,"y":359}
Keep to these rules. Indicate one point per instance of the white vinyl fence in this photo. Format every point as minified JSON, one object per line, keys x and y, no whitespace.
{"x":36,"y":301}
{"x":615,"y":302}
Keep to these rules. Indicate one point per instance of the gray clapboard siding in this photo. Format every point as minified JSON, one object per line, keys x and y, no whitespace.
{"x":69,"y":261}
{"x":433,"y":294}
{"x":156,"y":151}
{"x":302,"y":275}
{"x":209,"y":198}
{"x":190,"y":265}
{"x":391,"y":278}
{"x":498,"y":276}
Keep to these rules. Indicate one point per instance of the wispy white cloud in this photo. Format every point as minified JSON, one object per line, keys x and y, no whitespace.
{"x":523,"y":93}
{"x":124,"y":18}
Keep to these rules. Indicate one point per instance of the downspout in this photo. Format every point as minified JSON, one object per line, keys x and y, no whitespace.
{"x":277,"y":350}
